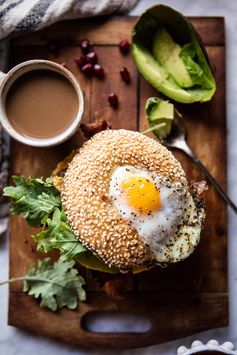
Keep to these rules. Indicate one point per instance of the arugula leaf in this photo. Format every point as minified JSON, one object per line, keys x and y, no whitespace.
{"x":34,"y":199}
{"x":57,"y":285}
{"x":195,"y":71}
{"x":39,"y":202}
{"x":59,"y":236}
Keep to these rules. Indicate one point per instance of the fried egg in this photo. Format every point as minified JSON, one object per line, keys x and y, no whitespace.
{"x":153,"y":205}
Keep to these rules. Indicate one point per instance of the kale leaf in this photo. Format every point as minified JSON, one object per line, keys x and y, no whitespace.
{"x":34,"y":199}
{"x":56,"y":285}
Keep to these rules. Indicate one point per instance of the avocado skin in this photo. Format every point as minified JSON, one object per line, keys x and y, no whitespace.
{"x":182,"y":32}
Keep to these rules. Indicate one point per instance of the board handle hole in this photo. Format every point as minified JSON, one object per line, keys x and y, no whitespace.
{"x":116,"y":322}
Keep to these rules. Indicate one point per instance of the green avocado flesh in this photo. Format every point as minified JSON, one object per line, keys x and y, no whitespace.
{"x":160,"y":115}
{"x":91,"y":261}
{"x":155,"y":74}
{"x":169,"y":54}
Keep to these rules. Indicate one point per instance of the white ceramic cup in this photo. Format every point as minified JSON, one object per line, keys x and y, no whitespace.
{"x":213,"y":345}
{"x":6,"y":81}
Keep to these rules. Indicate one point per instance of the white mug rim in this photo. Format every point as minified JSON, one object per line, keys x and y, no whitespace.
{"x":37,"y":64}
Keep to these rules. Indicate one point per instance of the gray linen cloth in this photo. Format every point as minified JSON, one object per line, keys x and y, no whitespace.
{"x":22,"y":16}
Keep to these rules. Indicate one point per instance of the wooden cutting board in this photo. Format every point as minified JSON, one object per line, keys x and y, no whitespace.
{"x":183,"y":299}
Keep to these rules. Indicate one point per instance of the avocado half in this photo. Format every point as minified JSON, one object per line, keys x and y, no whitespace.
{"x":170,"y":55}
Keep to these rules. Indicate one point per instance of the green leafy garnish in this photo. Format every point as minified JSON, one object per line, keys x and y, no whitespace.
{"x":57,"y":285}
{"x":188,"y":54}
{"x":39,"y":203}
{"x":34,"y":199}
{"x":59,"y":235}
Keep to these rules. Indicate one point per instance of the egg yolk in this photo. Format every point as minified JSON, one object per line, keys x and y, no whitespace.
{"x":141,"y":194}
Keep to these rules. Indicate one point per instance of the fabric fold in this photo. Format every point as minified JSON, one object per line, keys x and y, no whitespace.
{"x":24,"y":16}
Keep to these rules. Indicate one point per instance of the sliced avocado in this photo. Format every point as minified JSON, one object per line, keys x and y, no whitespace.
{"x":167,"y":53}
{"x":160,"y":115}
{"x":176,"y":66}
{"x":93,"y":262}
{"x":162,"y":109}
{"x":159,"y":77}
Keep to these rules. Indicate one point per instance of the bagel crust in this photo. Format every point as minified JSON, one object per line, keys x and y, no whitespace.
{"x":85,"y":194}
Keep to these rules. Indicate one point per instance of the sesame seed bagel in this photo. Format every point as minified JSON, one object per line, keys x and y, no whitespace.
{"x":86,"y":200}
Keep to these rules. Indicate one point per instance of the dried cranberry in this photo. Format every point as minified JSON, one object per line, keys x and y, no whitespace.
{"x":87,"y":69}
{"x":63,"y":64}
{"x":99,"y":71}
{"x":113,"y":100}
{"x":80,"y":60}
{"x":124,"y":46}
{"x":125,"y":75}
{"x":85,"y":46}
{"x":91,"y":57}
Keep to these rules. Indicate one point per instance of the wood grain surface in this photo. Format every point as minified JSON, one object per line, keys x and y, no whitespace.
{"x":183,"y":299}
